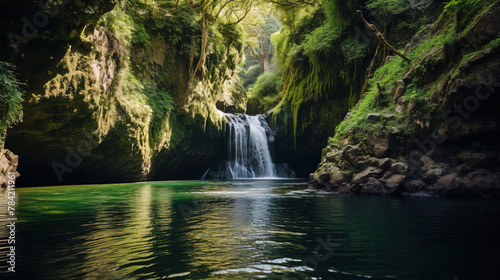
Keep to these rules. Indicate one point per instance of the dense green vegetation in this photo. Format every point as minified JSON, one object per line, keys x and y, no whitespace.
{"x":455,"y":21}
{"x":10,"y":98}
{"x":199,"y":43}
{"x":322,"y":51}
{"x":259,"y":74}
{"x":152,"y":72}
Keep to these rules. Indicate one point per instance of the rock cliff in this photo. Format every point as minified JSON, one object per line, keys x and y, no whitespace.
{"x":107,"y":100}
{"x":428,"y":127}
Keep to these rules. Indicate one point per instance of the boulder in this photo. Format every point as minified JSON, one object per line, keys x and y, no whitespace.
{"x":377,"y":144}
{"x":333,"y":155}
{"x":432,"y":171}
{"x":380,"y":149}
{"x":402,"y":100}
{"x":399,"y":168}
{"x":394,"y":182}
{"x":483,"y":182}
{"x":463,"y":169}
{"x":339,"y":177}
{"x":389,"y":58}
{"x":431,"y":176}
{"x":417,"y":39}
{"x":384,"y":164}
{"x":319,"y":181}
{"x":410,"y":107}
{"x":447,"y":184}
{"x":353,"y":155}
{"x":400,"y":90}
{"x":8,"y":163}
{"x":373,"y":117}
{"x":389,"y":117}
{"x":373,"y":186}
{"x":368,"y":173}
{"x":414,"y":185}
{"x":394,"y":130}
{"x":480,"y":182}
{"x":347,"y":116}
{"x":372,"y":161}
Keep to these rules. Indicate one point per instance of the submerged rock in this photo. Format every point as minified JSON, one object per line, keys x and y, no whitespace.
{"x":395,"y":182}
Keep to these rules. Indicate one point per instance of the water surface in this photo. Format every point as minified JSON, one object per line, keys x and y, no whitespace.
{"x":246,"y":230}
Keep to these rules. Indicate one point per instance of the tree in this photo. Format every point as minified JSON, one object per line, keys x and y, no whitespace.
{"x":265,"y":48}
{"x":227,"y":11}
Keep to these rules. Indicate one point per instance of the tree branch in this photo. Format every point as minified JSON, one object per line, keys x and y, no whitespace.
{"x":380,"y":36}
{"x":222,"y":7}
{"x":293,"y":3}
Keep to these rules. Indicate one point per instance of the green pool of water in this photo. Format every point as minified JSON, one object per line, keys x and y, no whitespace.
{"x":245,"y":230}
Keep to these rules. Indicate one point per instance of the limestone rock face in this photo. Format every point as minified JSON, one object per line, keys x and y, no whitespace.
{"x":100,"y":108}
{"x":8,"y":165}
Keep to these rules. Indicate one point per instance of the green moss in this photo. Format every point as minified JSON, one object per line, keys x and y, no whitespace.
{"x":120,"y":21}
{"x":373,"y":101}
{"x":457,"y":18}
{"x":466,"y":58}
{"x":322,"y":66}
{"x":414,"y":93}
{"x":162,"y":104}
{"x":308,"y":82}
{"x":140,"y":36}
{"x":471,"y":7}
{"x":442,"y":38}
{"x":388,"y":6}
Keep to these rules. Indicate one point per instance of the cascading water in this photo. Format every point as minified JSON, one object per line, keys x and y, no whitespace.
{"x":248,"y":148}
{"x":248,"y":151}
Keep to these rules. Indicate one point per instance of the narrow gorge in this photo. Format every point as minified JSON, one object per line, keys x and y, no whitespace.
{"x":249,"y":139}
{"x":121,"y":91}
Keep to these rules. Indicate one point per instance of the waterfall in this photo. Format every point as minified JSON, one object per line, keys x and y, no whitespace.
{"x":248,"y":150}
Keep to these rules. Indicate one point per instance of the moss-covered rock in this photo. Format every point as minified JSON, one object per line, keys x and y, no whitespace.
{"x":446,"y":110}
{"x":119,"y":102}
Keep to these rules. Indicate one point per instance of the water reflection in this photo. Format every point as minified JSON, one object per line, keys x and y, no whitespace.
{"x":120,"y":243}
{"x":246,"y":230}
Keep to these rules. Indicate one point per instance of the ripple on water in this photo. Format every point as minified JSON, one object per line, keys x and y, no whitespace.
{"x":247,"y":230}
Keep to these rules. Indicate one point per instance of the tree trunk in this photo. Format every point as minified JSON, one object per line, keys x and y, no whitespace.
{"x":203,"y":52}
{"x":381,"y":37}
{"x":265,"y":56}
